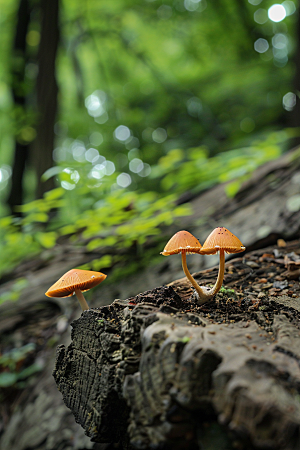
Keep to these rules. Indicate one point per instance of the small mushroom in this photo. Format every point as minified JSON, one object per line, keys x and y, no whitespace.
{"x":76,"y":281}
{"x":220,"y":240}
{"x":184,"y":242}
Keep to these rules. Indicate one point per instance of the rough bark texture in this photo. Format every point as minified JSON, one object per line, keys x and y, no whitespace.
{"x":181,"y":376}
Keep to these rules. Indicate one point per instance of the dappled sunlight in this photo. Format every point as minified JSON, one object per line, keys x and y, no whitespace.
{"x":96,"y":138}
{"x":122,"y":133}
{"x":289,"y":101}
{"x":5,"y":173}
{"x":277,"y":13}
{"x":261,"y":45}
{"x":124,"y":180}
{"x":95,"y":103}
{"x":92,"y":155}
{"x":159,"y":135}
{"x":70,"y":178}
{"x":261,"y":16}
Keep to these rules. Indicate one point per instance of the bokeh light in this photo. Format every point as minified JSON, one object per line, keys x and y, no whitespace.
{"x":260,"y":16}
{"x":145,"y":171}
{"x":78,"y":151}
{"x":289,"y":6}
{"x":159,"y":135}
{"x":289,"y":101}
{"x":280,"y":41}
{"x":136,"y":165}
{"x":96,"y":138}
{"x":276,"y":13}
{"x":124,"y":179}
{"x":122,"y":133}
{"x":69,"y":182}
{"x":92,"y":155}
{"x":95,"y":103}
{"x":261,"y":45}
{"x":194,"y":106}
{"x":5,"y":174}
{"x":164,"y":12}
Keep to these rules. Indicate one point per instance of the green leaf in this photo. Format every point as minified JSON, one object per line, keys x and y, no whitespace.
{"x":47,"y":240}
{"x":232,"y":188}
{"x":28,"y":371}
{"x":7,"y":379}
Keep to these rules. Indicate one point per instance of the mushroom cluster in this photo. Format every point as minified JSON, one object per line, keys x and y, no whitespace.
{"x":220,"y":240}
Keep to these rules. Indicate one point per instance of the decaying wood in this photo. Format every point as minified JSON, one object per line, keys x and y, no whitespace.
{"x":159,"y":371}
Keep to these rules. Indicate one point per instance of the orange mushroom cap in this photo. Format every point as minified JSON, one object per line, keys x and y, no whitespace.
{"x":221,"y":239}
{"x":75,"y":279}
{"x":182,"y":242}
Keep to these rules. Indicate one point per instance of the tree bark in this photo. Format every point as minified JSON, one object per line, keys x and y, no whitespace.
{"x":159,"y":371}
{"x":47,"y":91}
{"x":293,"y":117}
{"x":38,"y":153}
{"x":18,"y":76}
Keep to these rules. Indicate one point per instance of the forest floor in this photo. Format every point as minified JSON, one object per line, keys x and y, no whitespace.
{"x":256,"y":286}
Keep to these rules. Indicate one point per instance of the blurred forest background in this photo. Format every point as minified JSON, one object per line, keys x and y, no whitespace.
{"x":113,"y":114}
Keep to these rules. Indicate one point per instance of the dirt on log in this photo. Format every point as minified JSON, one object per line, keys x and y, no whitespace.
{"x":159,"y":371}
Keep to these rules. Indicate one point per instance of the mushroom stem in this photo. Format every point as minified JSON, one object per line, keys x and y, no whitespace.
{"x":81,"y":299}
{"x":203,"y":296}
{"x":215,"y":289}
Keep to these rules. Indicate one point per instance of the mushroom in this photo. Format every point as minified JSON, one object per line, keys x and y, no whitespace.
{"x":220,"y":240}
{"x":184,"y":242}
{"x":76,"y":281}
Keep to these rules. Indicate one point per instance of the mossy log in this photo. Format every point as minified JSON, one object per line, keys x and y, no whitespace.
{"x":158,"y":371}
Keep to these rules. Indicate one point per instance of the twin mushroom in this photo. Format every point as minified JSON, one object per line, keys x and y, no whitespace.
{"x":76,"y":281}
{"x":220,"y":240}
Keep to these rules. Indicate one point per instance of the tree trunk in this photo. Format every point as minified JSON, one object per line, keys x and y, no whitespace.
{"x":294,"y":115}
{"x":39,"y":152}
{"x":18,"y":71}
{"x":46,"y":94}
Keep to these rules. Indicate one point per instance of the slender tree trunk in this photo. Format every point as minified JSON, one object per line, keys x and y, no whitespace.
{"x":294,"y":115}
{"x":19,"y":96}
{"x":46,"y":94}
{"x":39,"y":153}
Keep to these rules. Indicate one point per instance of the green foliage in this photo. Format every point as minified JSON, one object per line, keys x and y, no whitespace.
{"x":193,"y":170}
{"x":116,"y":220}
{"x":12,"y":372}
{"x":224,"y":290}
{"x":121,"y":220}
{"x":15,"y":291}
{"x":185,"y":339}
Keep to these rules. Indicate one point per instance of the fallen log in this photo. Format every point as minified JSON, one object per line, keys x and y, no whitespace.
{"x":159,"y":371}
